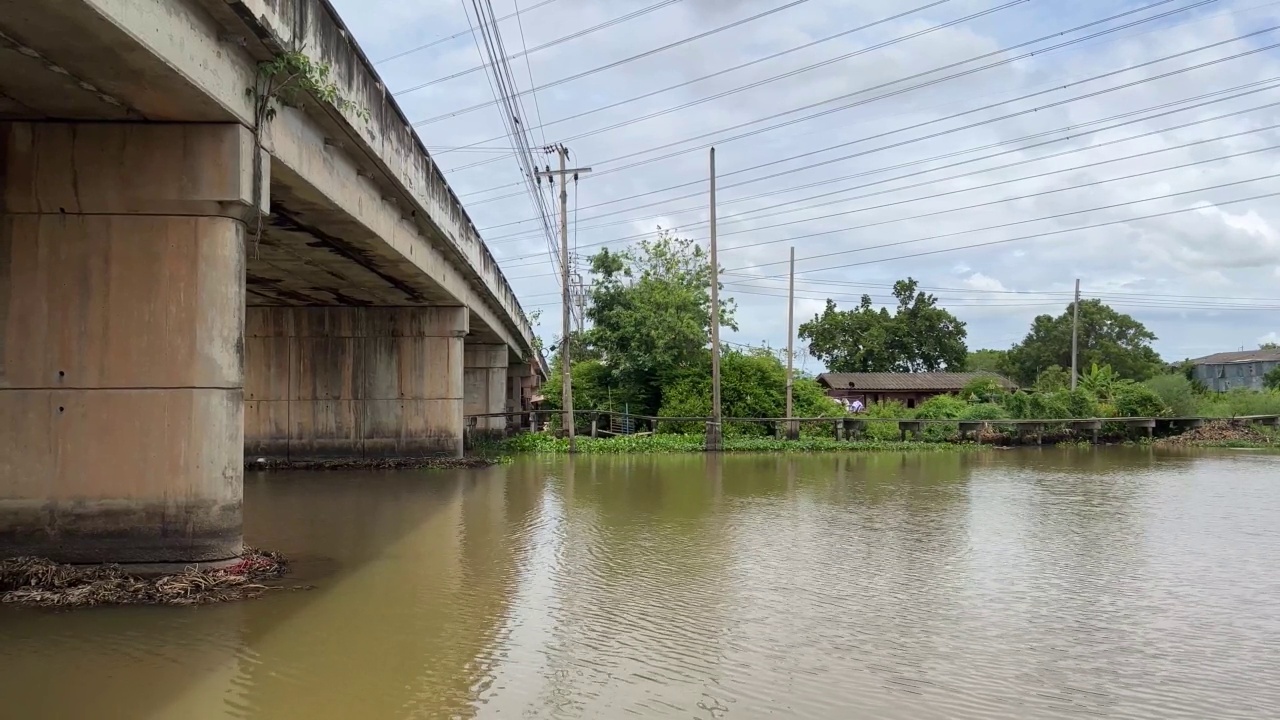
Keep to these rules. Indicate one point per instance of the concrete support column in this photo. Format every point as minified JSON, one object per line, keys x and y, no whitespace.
{"x":122,"y":290}
{"x":353,"y":383}
{"x":485,"y":385}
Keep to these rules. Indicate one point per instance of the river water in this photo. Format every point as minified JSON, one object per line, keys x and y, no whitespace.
{"x":1030,"y":584}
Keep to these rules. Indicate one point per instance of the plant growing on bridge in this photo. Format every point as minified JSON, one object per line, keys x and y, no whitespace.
{"x":287,"y":78}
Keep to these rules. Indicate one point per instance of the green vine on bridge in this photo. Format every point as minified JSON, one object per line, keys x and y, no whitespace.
{"x":287,"y":78}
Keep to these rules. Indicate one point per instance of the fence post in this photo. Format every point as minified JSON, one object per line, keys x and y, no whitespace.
{"x":595,"y":422}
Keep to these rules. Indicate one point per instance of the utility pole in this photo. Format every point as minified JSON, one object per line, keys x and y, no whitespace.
{"x":1075,"y":334}
{"x":791,"y":319}
{"x":566,"y":377}
{"x":714,"y":427}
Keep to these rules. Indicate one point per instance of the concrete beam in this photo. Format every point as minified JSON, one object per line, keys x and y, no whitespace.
{"x":122,"y":268}
{"x":353,"y":383}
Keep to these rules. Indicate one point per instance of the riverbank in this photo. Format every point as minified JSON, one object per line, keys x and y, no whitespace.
{"x":542,"y":443}
{"x":1223,"y":434}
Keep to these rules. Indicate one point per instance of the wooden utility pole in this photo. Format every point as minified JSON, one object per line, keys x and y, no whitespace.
{"x":714,"y":428}
{"x":1075,"y":334}
{"x":566,"y":376}
{"x":791,"y":319}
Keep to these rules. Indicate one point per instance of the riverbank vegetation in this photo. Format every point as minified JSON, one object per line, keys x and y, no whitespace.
{"x":645,"y":354}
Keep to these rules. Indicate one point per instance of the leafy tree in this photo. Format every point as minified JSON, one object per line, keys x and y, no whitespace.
{"x":1107,"y":338}
{"x":1052,"y":378}
{"x":919,"y":336}
{"x":1269,"y":346}
{"x":983,"y":390}
{"x":1272,"y":378}
{"x":1137,"y":400}
{"x":1177,"y":392}
{"x":752,"y":384}
{"x":650,"y":313}
{"x":995,"y":361}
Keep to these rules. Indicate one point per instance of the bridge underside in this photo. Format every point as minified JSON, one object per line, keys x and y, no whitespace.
{"x":154,"y":325}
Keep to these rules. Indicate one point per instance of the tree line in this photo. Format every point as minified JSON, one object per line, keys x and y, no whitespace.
{"x":646,"y":350}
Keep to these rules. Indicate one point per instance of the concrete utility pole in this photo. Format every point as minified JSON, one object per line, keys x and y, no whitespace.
{"x":1075,"y":334}
{"x":714,"y":427}
{"x":791,"y":319}
{"x":566,"y":376}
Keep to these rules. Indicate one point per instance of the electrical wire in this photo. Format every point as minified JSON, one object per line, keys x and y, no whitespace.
{"x":572,"y":36}
{"x":1024,"y":161}
{"x":457,"y":35}
{"x":718,"y":73}
{"x":880,"y":86}
{"x":758,"y":213}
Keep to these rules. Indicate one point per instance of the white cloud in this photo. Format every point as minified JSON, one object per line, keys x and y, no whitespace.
{"x":848,"y":205}
{"x":1271,"y":337}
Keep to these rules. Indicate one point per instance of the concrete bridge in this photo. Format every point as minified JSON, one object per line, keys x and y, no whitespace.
{"x":150,"y":335}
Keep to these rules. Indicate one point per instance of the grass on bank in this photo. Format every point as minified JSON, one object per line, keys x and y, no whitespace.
{"x":546,"y":443}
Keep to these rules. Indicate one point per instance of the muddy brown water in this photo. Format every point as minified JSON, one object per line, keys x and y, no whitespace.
{"x":1030,"y":584}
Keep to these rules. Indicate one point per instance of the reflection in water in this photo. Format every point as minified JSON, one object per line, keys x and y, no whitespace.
{"x":1021,"y":584}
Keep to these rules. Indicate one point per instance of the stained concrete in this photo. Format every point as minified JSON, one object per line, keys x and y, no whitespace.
{"x":121,"y":328}
{"x":354,"y":382}
{"x":485,"y":385}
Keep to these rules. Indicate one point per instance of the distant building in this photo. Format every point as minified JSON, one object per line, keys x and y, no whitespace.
{"x":1234,"y":370}
{"x":910,"y":389}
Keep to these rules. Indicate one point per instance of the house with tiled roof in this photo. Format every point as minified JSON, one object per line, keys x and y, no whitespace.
{"x":910,"y":389}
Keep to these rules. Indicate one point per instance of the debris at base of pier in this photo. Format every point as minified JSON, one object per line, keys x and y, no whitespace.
{"x":43,"y":583}
{"x":1221,"y":432}
{"x":390,"y":463}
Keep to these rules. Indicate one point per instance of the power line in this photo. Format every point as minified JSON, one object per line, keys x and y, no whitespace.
{"x":758,"y":213}
{"x":1023,"y":161}
{"x":740,"y":66}
{"x":1000,"y":226}
{"x":1048,"y":233}
{"x":502,"y":85}
{"x":786,"y":52}
{"x":971,"y":206}
{"x":457,"y":35}
{"x":572,"y":36}
{"x":624,"y":61}
{"x":872,"y":88}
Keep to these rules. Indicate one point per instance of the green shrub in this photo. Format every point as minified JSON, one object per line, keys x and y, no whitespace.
{"x":985,"y":411}
{"x":1239,"y":402}
{"x":1081,"y":404}
{"x":941,"y":407}
{"x":983,"y":390}
{"x":1177,"y":392}
{"x":1134,"y":400}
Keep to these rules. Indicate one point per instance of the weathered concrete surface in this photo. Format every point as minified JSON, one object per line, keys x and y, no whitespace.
{"x":485,"y":385}
{"x":361,"y":215}
{"x":354,"y":383}
{"x":121,"y":323}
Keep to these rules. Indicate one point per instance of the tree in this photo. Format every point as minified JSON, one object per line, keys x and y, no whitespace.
{"x":650,"y":313}
{"x":919,"y":336}
{"x":1272,"y":379}
{"x":1052,"y":379}
{"x":1269,"y":346}
{"x":1107,"y":338}
{"x":987,"y":361}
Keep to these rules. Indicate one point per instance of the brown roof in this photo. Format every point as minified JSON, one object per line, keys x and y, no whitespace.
{"x":1239,"y":357}
{"x":925,"y":381}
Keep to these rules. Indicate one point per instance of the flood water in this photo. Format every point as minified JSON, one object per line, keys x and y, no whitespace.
{"x":1030,"y":584}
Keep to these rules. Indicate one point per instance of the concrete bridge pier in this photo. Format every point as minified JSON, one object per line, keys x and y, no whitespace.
{"x":485,"y":386}
{"x":122,"y":290}
{"x":354,"y":383}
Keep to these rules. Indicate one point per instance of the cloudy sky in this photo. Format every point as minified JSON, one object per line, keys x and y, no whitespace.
{"x":995,"y":150}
